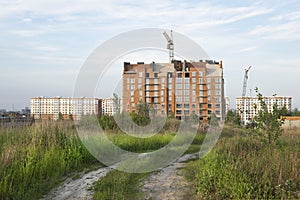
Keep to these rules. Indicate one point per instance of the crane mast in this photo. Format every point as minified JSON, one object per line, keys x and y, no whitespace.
{"x":170,"y":45}
{"x":245,"y":81}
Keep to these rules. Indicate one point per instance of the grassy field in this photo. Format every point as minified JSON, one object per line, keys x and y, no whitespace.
{"x":241,"y":167}
{"x":35,"y":159}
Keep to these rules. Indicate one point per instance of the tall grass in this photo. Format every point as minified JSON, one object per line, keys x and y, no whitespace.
{"x":35,"y":159}
{"x":241,"y":167}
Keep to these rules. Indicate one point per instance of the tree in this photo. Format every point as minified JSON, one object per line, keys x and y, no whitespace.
{"x":60,"y":116}
{"x":143,"y":111}
{"x":268,"y":124}
{"x":117,"y":103}
{"x":232,"y":118}
{"x":213,"y":120}
{"x":295,"y":112}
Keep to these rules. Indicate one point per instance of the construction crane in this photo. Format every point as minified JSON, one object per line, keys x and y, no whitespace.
{"x":245,"y":81}
{"x":170,"y":45}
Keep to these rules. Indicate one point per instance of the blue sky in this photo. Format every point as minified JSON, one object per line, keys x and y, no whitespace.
{"x":43,"y":44}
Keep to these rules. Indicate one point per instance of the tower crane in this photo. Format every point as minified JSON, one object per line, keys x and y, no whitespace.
{"x":170,"y":45}
{"x":245,"y":81}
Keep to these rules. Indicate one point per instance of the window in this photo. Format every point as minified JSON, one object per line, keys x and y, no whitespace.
{"x":217,"y":99}
{"x":193,"y":80}
{"x":140,"y":80}
{"x":131,"y":93}
{"x":179,"y":75}
{"x":178,"y":112}
{"x":161,"y":99}
{"x":131,"y":99}
{"x":193,"y":105}
{"x":155,"y":87}
{"x":132,"y":87}
{"x":178,"y":92}
{"x":200,"y":73}
{"x":208,"y":80}
{"x":161,"y":92}
{"x":178,"y":105}
{"x":186,"y":99}
{"x":209,"y":106}
{"x":193,"y":86}
{"x":186,"y":105}
{"x":156,"y":81}
{"x":209,"y":111}
{"x":155,"y":75}
{"x":186,"y":112}
{"x":128,"y":80}
{"x":186,"y":92}
{"x":193,"y":73}
{"x":132,"y":80}
{"x":218,"y":92}
{"x":218,"y":105}
{"x":218,"y":112}
{"x":193,"y":99}
{"x":179,"y":86}
{"x":217,"y":80}
{"x":147,"y":75}
{"x":178,"y":99}
{"x":218,"y":86}
{"x":162,"y":80}
{"x":147,"y":81}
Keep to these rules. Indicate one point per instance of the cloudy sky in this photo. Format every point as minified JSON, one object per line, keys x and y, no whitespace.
{"x":43,"y":44}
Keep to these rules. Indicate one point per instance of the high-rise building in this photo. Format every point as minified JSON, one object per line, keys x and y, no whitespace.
{"x":53,"y":108}
{"x":110,"y":106}
{"x":248,"y":107}
{"x":181,"y":88}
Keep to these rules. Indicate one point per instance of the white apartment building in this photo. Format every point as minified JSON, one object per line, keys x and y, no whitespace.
{"x":248,"y":107}
{"x":53,"y":108}
{"x":109,"y":106}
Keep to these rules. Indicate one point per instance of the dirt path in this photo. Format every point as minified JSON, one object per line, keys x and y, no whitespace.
{"x":169,"y":183}
{"x":78,"y":189}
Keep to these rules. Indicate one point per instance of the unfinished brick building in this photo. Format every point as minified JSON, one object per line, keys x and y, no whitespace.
{"x":181,"y":88}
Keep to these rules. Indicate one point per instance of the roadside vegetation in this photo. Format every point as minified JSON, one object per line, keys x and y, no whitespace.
{"x":260,"y":162}
{"x":35,"y":159}
{"x":243,"y":167}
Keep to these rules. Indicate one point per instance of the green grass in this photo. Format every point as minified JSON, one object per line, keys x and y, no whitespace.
{"x":241,"y":167}
{"x":118,"y":185}
{"x":35,"y":159}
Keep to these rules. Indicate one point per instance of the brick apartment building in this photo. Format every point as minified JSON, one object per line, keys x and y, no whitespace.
{"x":181,"y":88}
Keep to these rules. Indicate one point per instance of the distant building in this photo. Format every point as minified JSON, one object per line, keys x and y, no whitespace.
{"x":110,"y":106}
{"x":180,"y":88}
{"x":291,"y":121}
{"x":248,"y":107}
{"x":25,"y":111}
{"x":45,"y":108}
{"x":227,"y":104}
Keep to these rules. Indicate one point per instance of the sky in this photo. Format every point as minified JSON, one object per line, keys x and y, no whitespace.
{"x":43,"y":44}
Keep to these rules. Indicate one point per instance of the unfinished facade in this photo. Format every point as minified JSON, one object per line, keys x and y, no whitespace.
{"x":180,"y":88}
